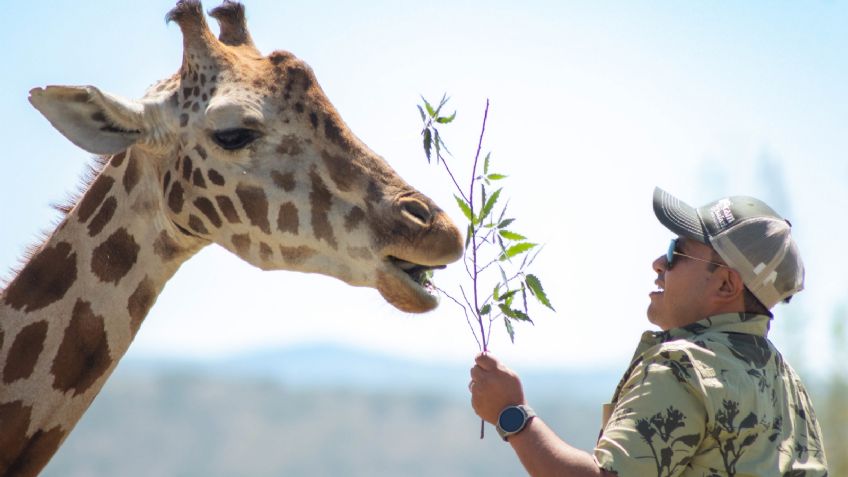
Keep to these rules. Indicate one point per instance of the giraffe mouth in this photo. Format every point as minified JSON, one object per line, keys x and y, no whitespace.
{"x":408,"y":286}
{"x":421,"y":275}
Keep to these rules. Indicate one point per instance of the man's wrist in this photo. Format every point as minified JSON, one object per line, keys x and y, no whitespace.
{"x":513,"y":419}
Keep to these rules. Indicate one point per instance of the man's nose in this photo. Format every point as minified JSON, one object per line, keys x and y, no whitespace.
{"x":660,"y":264}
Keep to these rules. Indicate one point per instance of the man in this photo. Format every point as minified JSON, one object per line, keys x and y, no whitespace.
{"x":709,"y":395}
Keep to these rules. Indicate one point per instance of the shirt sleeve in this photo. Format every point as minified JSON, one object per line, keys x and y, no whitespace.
{"x":659,"y":420}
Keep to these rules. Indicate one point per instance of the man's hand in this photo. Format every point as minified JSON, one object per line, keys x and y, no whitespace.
{"x":493,"y":387}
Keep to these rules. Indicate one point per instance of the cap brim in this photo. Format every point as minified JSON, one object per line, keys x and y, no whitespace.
{"x":678,"y":216}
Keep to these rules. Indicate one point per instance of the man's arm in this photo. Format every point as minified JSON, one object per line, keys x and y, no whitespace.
{"x":493,"y":387}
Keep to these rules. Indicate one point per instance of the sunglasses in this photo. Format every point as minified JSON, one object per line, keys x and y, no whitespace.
{"x":672,"y":252}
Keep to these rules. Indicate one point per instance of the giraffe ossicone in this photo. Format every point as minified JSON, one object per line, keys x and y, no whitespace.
{"x":237,"y":149}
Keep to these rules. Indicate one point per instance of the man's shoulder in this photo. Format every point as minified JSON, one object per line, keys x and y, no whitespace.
{"x":705,"y":357}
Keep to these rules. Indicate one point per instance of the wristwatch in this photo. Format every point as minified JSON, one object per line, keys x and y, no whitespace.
{"x":513,"y":419}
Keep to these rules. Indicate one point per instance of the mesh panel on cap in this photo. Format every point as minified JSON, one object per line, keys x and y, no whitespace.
{"x":761,"y":250}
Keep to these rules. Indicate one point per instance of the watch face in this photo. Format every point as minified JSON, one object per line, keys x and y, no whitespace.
{"x":511,"y":419}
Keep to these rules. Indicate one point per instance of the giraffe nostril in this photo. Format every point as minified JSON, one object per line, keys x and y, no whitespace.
{"x":416,"y":211}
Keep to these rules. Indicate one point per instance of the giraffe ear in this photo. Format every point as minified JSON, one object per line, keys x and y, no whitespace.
{"x":98,"y":122}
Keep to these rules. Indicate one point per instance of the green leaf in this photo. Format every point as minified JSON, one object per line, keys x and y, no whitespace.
{"x":514,"y":314}
{"x":506,"y":298}
{"x":490,"y":203}
{"x":524,"y":297}
{"x":466,"y":210}
{"x":509,"y":329}
{"x":428,"y":143}
{"x":536,"y":289}
{"x":468,"y":235}
{"x":421,"y":110}
{"x":487,"y":308}
{"x":438,"y":142}
{"x":443,"y":102}
{"x":517,"y":249}
{"x":486,"y":163}
{"x":495,"y":292}
{"x":430,"y":109}
{"x":442,"y":144}
{"x":496,"y":177}
{"x":446,"y":120}
{"x":511,"y":235}
{"x":505,"y":223}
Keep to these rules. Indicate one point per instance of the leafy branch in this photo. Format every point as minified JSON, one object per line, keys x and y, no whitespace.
{"x":496,"y":257}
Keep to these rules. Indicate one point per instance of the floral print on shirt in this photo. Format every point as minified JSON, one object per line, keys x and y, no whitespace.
{"x":711,"y":399}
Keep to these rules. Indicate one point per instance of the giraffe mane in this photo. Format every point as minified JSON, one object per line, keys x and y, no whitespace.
{"x":89,"y":175}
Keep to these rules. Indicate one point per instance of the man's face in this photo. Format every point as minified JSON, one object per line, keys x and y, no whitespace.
{"x":682,"y":292}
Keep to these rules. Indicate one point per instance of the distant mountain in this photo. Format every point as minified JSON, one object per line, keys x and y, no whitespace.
{"x":309,"y":412}
{"x":337,"y":367}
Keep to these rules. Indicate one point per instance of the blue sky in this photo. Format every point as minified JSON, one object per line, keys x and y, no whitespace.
{"x":592,"y":105}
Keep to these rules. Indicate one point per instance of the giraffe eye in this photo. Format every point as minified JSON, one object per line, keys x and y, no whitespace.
{"x":233,"y":139}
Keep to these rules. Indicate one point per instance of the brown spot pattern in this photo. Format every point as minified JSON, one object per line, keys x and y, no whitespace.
{"x":255,"y":205}
{"x":242,"y":243}
{"x":113,"y":259}
{"x":206,"y":207}
{"x":353,"y":218}
{"x":132,"y":174}
{"x":334,"y":132}
{"x":175,"y":198}
{"x":187,"y":168}
{"x":196,"y":224}
{"x":166,"y":181}
{"x":198,"y":180}
{"x":290,"y":145}
{"x":287,"y":220}
{"x":342,"y":170}
{"x":283,"y":181}
{"x":228,"y":209}
{"x":40,"y":448}
{"x":321,"y":201}
{"x":296,"y":255}
{"x":140,"y":302}
{"x":200,"y":151}
{"x":166,"y":247}
{"x":103,"y":216}
{"x":44,"y":280}
{"x":215,"y":177}
{"x":95,"y":195}
{"x":118,"y":159}
{"x":265,"y":252}
{"x":83,"y":355}
{"x":24,"y":352}
{"x":183,"y":120}
{"x":14,"y":420}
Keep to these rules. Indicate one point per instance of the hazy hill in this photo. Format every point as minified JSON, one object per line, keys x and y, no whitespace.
{"x":311,"y":411}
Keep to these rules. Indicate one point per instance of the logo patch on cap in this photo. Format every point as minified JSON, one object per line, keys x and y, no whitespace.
{"x":722,"y":215}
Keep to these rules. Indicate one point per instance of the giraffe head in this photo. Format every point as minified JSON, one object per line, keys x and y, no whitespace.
{"x":246,"y":151}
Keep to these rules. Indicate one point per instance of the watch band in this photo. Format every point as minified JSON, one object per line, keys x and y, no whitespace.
{"x":513,"y":419}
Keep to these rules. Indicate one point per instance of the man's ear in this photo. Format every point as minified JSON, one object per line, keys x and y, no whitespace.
{"x":98,"y":122}
{"x":731,"y":285}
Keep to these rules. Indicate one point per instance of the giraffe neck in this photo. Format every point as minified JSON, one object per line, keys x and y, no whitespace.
{"x":71,"y":312}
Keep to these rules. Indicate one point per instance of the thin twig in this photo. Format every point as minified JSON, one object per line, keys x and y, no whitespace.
{"x":465,"y":312}
{"x":455,"y":183}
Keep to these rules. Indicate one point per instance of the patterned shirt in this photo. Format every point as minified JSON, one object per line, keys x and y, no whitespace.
{"x":711,"y":399}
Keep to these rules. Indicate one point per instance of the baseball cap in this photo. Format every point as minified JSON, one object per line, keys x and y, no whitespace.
{"x":747,"y":234}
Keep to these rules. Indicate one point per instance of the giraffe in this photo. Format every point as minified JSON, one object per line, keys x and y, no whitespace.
{"x":236,"y":149}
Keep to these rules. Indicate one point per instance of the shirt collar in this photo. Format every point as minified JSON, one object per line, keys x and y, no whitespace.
{"x":745,"y":323}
